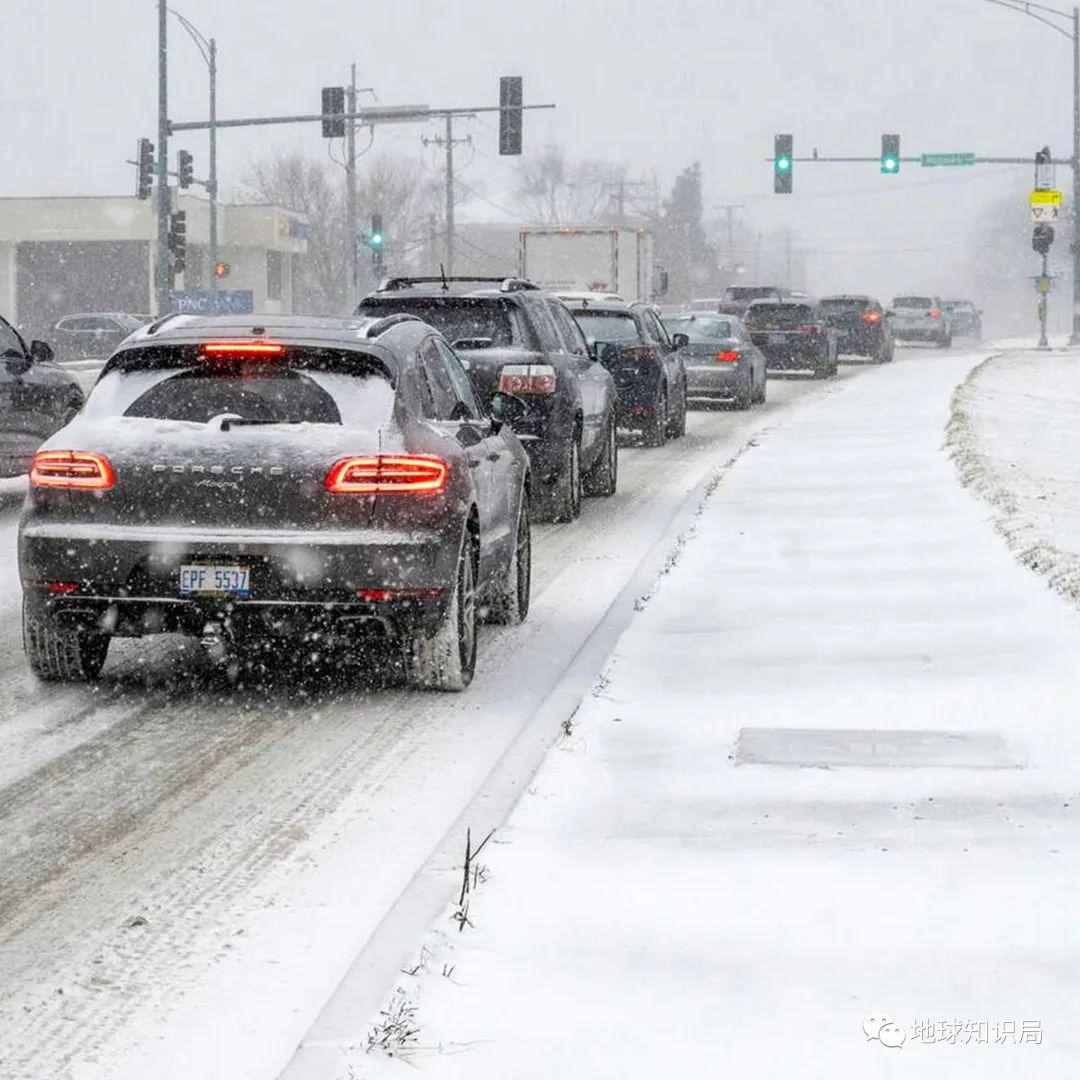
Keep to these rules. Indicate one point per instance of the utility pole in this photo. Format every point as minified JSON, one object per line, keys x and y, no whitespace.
{"x":1074,"y":337}
{"x":213,"y":192}
{"x":448,"y":142}
{"x":164,"y":205}
{"x":350,"y":196}
{"x":787,"y":255}
{"x":1043,"y":342}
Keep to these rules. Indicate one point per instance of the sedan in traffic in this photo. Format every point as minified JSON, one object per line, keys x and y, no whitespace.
{"x":722,"y":363}
{"x":256,"y":480}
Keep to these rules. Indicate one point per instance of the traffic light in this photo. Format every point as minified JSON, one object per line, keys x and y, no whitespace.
{"x":333,"y":105}
{"x":890,"y":154}
{"x":510,"y":101}
{"x":185,"y":168}
{"x":145,"y":160}
{"x":178,"y":240}
{"x":783,"y":164}
{"x":1042,"y":237}
{"x":222,"y":270}
{"x":376,"y":240}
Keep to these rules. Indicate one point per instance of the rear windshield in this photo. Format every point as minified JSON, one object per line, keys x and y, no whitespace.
{"x":701,"y":327}
{"x":313,"y":386}
{"x":913,"y":301}
{"x":780,"y":314}
{"x":845,"y":303}
{"x":457,"y":318}
{"x":607,"y":326}
{"x":757,"y":292}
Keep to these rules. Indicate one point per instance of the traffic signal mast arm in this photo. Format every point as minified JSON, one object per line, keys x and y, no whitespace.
{"x":917,"y":160}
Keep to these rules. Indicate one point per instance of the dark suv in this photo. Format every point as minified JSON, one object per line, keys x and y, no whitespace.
{"x":862,"y":326}
{"x":967,"y":318}
{"x":646,"y":363}
{"x":514,"y":338}
{"x":794,"y":335}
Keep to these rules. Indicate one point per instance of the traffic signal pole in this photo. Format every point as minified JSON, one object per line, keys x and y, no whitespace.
{"x":1074,"y":337}
{"x":164,"y":207}
{"x":350,"y":196}
{"x":213,"y":167}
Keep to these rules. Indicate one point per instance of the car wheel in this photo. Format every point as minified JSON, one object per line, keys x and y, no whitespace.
{"x":656,"y":429}
{"x":447,"y":659}
{"x":744,"y":392}
{"x":567,"y":494}
{"x":62,"y":653}
{"x":946,"y":342}
{"x":603,"y":478}
{"x":510,"y":604}
{"x":762,"y":390}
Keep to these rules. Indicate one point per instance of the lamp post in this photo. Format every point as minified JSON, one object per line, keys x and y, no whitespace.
{"x":1046,"y":15}
{"x":208,"y":48}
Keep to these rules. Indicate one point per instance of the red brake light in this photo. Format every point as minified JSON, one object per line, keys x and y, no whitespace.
{"x":871,"y":317}
{"x":71,"y":469}
{"x":378,"y":596}
{"x":388,"y":474}
{"x":730,"y":356}
{"x":935,"y":313}
{"x":256,"y":350}
{"x":808,"y":328}
{"x":527,"y":379}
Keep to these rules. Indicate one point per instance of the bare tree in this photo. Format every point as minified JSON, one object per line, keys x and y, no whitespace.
{"x":555,"y":191}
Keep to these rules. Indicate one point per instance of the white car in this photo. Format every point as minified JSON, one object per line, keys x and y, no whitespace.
{"x":921,"y":318}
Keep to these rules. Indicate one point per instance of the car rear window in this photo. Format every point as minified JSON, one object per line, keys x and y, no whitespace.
{"x":779,"y":315}
{"x":913,"y":302}
{"x":608,"y":325}
{"x":457,"y":318}
{"x":314,"y":386}
{"x":754,"y":292}
{"x":700,"y":327}
{"x":845,"y":303}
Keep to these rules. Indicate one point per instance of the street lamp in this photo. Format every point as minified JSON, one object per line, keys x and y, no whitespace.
{"x":208,"y":49}
{"x":1046,"y":15}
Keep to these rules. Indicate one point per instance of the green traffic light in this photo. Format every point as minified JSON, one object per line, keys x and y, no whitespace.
{"x":889,"y":165}
{"x":376,"y":240}
{"x":783,"y":164}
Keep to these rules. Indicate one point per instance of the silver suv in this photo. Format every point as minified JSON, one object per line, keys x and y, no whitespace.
{"x":921,"y":318}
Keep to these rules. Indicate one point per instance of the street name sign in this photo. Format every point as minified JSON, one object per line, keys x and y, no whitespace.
{"x":933,"y":160}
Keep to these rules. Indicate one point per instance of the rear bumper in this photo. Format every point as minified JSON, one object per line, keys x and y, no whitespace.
{"x":714,"y":380}
{"x":129,"y":576}
{"x":920,"y":333}
{"x":860,"y":342}
{"x":793,"y":355}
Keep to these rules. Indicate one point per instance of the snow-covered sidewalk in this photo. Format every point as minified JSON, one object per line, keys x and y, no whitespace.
{"x":819,"y":819}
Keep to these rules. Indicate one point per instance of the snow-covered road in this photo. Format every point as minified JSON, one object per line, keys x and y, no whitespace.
{"x":187,"y":870}
{"x":819,"y":818}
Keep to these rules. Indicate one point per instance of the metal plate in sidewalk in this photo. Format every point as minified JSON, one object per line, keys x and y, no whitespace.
{"x":836,"y":748}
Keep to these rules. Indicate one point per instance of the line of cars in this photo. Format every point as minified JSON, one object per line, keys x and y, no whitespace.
{"x":368,"y":482}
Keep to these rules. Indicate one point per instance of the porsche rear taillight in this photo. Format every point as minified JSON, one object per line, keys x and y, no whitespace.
{"x":537,"y":379}
{"x":871,"y":318}
{"x":728,"y":356}
{"x":388,"y":474}
{"x":71,"y":470}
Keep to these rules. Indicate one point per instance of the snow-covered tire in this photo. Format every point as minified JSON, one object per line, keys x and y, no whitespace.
{"x":677,"y":426}
{"x":603,"y":478}
{"x":760,"y":396}
{"x":447,"y":659}
{"x":744,"y":393}
{"x":58,"y":653}
{"x":566,"y":498}
{"x":510,"y":604}
{"x":655,"y":433}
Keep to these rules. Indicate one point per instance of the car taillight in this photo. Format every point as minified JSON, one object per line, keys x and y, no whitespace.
{"x":935,"y":313}
{"x":379,"y":596}
{"x":729,"y":356}
{"x":71,"y":469}
{"x":871,"y":317}
{"x":242,"y":350}
{"x":388,"y":474}
{"x":809,"y":328}
{"x":527,"y":379}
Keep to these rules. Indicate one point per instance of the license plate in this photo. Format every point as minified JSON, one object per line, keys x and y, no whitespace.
{"x":212,"y":578}
{"x":778,"y":339}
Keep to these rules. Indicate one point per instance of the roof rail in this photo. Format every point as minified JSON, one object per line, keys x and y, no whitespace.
{"x":506,"y":284}
{"x":157,"y":324}
{"x":380,"y":326}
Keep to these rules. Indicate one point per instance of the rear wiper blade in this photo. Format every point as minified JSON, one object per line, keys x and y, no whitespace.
{"x":231,"y":422}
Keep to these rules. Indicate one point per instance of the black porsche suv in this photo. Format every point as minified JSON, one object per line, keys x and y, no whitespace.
{"x":515,"y":338}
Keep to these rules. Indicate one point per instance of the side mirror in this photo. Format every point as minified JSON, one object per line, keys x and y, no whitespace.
{"x":680,"y":341}
{"x":16,"y":363}
{"x":41,"y":352}
{"x":507,"y":409}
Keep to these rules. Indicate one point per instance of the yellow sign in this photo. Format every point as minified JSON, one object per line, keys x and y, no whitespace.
{"x":1046,"y":198}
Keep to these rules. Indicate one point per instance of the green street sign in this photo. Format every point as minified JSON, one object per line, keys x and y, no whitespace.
{"x":930,"y":160}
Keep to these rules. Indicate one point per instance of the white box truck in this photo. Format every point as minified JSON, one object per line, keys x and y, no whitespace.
{"x":591,"y":258}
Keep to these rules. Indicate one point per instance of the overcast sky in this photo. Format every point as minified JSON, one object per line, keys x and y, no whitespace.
{"x":655,"y":85}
